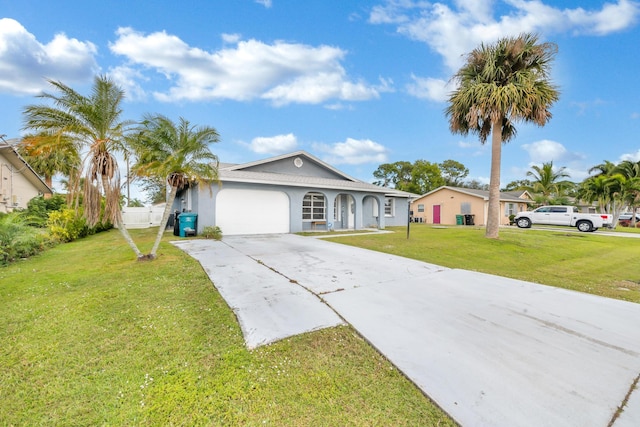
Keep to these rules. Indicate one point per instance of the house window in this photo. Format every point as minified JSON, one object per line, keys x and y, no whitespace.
{"x":465,"y":208}
{"x":420,"y":208}
{"x":389,"y":207}
{"x":313,"y":207}
{"x":511,"y":209}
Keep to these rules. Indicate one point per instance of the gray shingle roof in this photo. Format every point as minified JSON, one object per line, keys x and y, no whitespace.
{"x":306,"y":181}
{"x":237,"y":173}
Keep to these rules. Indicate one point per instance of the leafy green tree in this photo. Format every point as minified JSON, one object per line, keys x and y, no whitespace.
{"x":476,"y":185}
{"x":520,"y":184}
{"x":499,"y":85}
{"x":419,"y":177}
{"x":178,"y":152}
{"x":94,"y":126}
{"x":395,"y":175}
{"x":453,"y":173}
{"x":155,"y":188}
{"x":425,"y":176}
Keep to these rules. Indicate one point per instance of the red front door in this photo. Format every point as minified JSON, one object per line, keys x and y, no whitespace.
{"x":436,"y":214}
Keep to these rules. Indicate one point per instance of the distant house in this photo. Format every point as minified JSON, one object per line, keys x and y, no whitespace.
{"x":18,"y":181}
{"x":444,"y":204}
{"x":291,"y":193}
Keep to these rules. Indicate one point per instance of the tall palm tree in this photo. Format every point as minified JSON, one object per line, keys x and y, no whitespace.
{"x":499,"y":85}
{"x":604,"y":168}
{"x":49,"y":155}
{"x":631,"y":184}
{"x":94,"y":126}
{"x":618,"y":185}
{"x":178,"y":152}
{"x":548,"y":182}
{"x":596,"y":189}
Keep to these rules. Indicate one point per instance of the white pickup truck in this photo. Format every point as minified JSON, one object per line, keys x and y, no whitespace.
{"x":563,"y":215}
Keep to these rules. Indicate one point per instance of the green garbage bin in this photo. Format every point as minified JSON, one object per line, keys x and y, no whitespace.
{"x":187,"y":222}
{"x":459,"y":219}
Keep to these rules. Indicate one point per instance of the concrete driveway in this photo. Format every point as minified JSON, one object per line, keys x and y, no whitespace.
{"x":488,"y":350}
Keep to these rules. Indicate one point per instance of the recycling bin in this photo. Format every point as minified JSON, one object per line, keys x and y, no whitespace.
{"x":459,"y":219}
{"x":187,"y":222}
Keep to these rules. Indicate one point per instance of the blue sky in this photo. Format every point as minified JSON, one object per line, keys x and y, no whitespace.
{"x":355,"y":83}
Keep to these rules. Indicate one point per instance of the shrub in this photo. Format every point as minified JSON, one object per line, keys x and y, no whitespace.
{"x":19,"y":240}
{"x":210,"y":232}
{"x":38,"y":209}
{"x":66,"y":226}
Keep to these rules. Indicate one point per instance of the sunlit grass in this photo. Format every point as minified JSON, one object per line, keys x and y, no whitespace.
{"x":92,"y":337}
{"x":586,"y":262}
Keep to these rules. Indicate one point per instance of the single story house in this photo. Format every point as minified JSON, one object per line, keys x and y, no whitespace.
{"x":19,"y":183}
{"x":444,"y":204}
{"x":291,"y":193}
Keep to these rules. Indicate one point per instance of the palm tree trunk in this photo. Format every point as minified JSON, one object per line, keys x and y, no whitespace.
{"x":163,"y":223}
{"x":127,"y":237}
{"x":48,"y":179}
{"x":119,"y":223}
{"x":493,"y":214}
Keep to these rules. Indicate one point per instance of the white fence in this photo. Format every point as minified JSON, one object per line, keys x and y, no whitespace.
{"x":142,"y":217}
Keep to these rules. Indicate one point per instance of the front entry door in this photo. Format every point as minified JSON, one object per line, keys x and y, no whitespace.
{"x":436,"y":214}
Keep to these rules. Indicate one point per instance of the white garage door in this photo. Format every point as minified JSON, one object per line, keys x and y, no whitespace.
{"x":252,"y":212}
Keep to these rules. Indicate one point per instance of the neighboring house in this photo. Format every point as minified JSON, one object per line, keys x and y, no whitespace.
{"x":18,"y":181}
{"x":442,"y":205}
{"x":291,"y":193}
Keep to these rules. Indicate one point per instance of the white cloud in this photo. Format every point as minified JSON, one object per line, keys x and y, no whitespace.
{"x":280,"y":72}
{"x":127,"y":78}
{"x":353,"y":152}
{"x":429,"y":88}
{"x":454,"y":31}
{"x":611,"y":18}
{"x":265,"y":3}
{"x":231,"y":38}
{"x":25,"y":62}
{"x":274,"y":144}
{"x":546,"y":150}
{"x":464,"y":144}
{"x":576,"y":175}
{"x":318,"y":87}
{"x":633,"y":157}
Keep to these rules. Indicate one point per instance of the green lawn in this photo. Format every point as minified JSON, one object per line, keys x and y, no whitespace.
{"x":91,"y":337}
{"x":586,"y":262}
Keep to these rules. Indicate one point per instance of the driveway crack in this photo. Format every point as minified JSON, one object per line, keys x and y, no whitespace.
{"x":620,"y":409}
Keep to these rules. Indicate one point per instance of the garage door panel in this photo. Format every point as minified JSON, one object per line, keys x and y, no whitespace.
{"x":252,"y":212}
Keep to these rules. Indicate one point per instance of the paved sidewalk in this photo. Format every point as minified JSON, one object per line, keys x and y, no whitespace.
{"x":490,"y":351}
